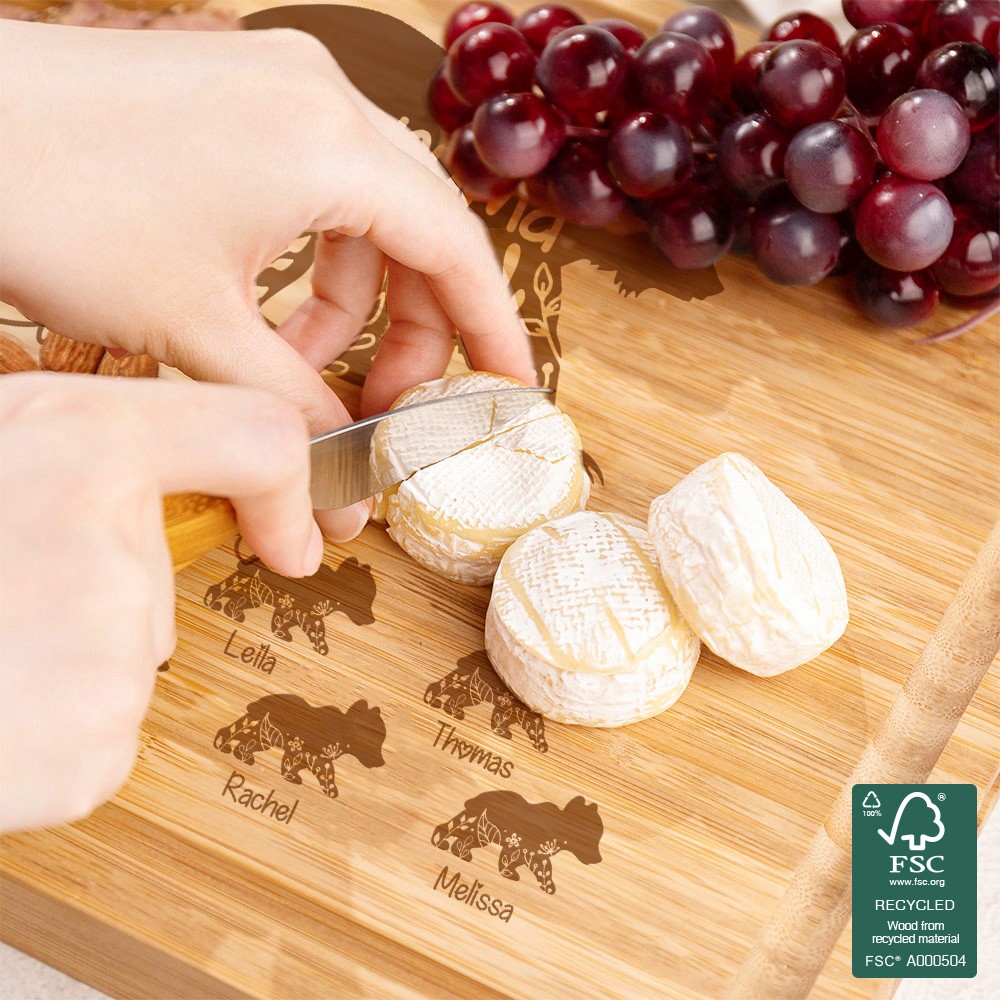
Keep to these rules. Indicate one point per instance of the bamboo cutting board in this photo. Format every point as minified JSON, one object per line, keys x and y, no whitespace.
{"x":314,"y":744}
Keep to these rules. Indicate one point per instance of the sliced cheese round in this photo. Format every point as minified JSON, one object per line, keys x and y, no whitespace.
{"x":750,"y":572}
{"x":458,"y":517}
{"x":581,"y":626}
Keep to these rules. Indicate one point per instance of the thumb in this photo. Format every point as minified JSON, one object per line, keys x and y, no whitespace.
{"x":236,"y":346}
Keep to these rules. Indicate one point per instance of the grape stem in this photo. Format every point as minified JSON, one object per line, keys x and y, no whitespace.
{"x":585,"y":132}
{"x":957,"y":331}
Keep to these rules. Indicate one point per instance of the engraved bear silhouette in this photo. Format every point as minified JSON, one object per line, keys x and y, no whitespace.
{"x":528,"y":834}
{"x":533,"y":243}
{"x":310,"y":737}
{"x":303,"y":603}
{"x":474,"y":682}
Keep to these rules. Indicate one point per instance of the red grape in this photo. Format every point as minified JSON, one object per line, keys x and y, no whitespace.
{"x":894,"y":298}
{"x":880,"y":62}
{"x":582,"y":69}
{"x":539,"y":24}
{"x":580,"y":186}
{"x":445,"y":108}
{"x":800,"y":82}
{"x":468,"y":170}
{"x":626,"y":32}
{"x":802,"y":24}
{"x":673,"y":73}
{"x":903,"y":224}
{"x":752,"y":155}
{"x":793,"y":245}
{"x":971,"y":263}
{"x":489,"y":60}
{"x":649,"y":152}
{"x":517,"y":134}
{"x":829,"y":166}
{"x":978,"y":178}
{"x":862,"y":13}
{"x":850,"y":257}
{"x":743,"y":82}
{"x":968,"y":73}
{"x":596,"y":120}
{"x":991,"y":38}
{"x":694,"y":227}
{"x":711,"y":29}
{"x":924,"y":134}
{"x":960,"y":21}
{"x":471,"y":15}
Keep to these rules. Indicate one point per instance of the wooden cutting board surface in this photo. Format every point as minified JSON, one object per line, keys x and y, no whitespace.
{"x":181,"y":888}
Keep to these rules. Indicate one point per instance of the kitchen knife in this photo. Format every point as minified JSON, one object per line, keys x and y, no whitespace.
{"x":358,"y":461}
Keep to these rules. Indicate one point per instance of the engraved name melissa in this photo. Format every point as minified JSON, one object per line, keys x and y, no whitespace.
{"x":471,"y":894}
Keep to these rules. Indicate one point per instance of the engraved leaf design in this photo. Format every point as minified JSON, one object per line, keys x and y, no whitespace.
{"x":259,"y":591}
{"x":269,"y":734}
{"x":487,"y":832}
{"x":543,"y":282}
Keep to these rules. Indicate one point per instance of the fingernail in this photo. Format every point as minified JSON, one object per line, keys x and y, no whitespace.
{"x":343,"y":525}
{"x":313,"y":558}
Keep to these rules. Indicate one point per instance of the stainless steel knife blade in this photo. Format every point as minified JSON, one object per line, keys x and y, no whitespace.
{"x":358,"y":461}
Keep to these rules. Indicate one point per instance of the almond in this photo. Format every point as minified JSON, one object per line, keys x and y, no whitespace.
{"x":130,"y":366}
{"x":14,"y":358}
{"x":61,"y":354}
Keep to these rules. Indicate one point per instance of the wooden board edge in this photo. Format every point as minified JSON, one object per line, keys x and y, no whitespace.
{"x":105,"y":957}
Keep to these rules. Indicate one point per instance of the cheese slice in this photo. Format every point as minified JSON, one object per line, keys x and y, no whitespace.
{"x":749,"y":571}
{"x":459,"y":516}
{"x":581,"y":626}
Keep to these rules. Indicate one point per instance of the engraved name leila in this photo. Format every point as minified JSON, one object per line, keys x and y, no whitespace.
{"x":471,"y":893}
{"x":259,"y":656}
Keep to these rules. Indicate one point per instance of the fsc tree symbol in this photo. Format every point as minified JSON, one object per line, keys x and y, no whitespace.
{"x":922,"y":822}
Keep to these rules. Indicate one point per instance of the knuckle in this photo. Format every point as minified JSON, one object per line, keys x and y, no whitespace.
{"x":297,"y":45}
{"x":42,"y":400}
{"x":281,"y":437}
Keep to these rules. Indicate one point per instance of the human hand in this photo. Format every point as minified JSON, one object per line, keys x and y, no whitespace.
{"x":149,"y":177}
{"x":87,"y":589}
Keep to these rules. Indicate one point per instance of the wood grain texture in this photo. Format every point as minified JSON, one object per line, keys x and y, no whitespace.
{"x":196,"y":524}
{"x":890,"y":447}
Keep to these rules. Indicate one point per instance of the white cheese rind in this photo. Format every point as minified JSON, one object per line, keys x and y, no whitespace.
{"x":458,"y":517}
{"x":749,"y":571}
{"x":582,"y":628}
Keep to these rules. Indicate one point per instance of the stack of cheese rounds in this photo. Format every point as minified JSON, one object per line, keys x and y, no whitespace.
{"x":457,"y":517}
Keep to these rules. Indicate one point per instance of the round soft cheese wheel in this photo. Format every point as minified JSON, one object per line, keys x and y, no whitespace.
{"x":458,"y":517}
{"x":581,"y":626}
{"x":750,"y":572}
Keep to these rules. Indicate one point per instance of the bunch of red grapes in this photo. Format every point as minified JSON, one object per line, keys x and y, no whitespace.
{"x":877,"y":159}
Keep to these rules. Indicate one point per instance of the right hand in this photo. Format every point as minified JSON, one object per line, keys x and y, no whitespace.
{"x":87,"y":590}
